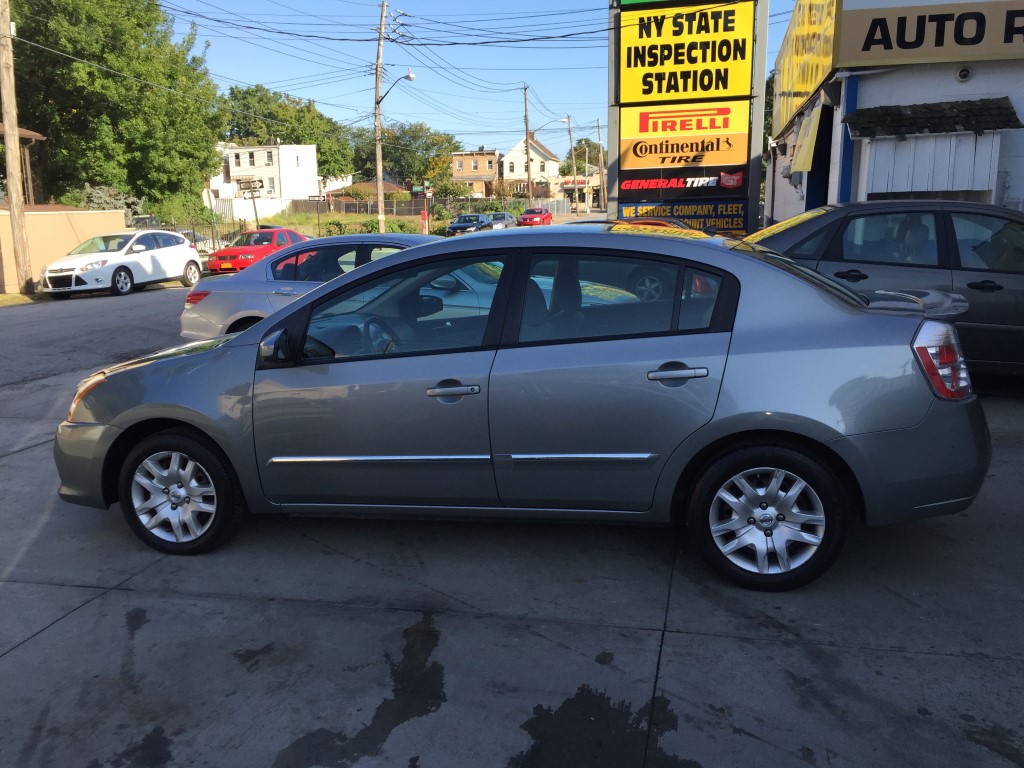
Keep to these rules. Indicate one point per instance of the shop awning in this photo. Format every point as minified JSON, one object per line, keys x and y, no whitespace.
{"x":940,"y":117}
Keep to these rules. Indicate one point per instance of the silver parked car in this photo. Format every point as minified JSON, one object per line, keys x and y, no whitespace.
{"x":230,"y":303}
{"x":763,"y":404}
{"x":971,"y":249}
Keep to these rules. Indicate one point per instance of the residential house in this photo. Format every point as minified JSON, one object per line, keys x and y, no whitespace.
{"x":279,"y":173}
{"x":544,"y":168}
{"x":478,"y":168}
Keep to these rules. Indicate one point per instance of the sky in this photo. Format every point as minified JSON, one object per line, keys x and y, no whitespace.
{"x":471,"y":60}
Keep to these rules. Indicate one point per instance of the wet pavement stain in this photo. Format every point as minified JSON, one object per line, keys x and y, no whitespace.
{"x":604,"y":658}
{"x":418,"y":690}
{"x":589,"y":729}
{"x":250,"y":657}
{"x":154,"y":751}
{"x":134,"y":620}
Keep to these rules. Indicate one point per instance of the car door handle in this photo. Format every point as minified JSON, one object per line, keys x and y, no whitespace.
{"x":471,"y":389}
{"x":682,"y":373}
{"x":284,"y":292}
{"x":853,"y":275}
{"x":987,"y":286}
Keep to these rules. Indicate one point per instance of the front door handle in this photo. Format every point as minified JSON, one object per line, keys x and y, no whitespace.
{"x":987,"y":286}
{"x":285,"y":292}
{"x":471,"y":389}
{"x":853,"y":275}
{"x":682,"y":373}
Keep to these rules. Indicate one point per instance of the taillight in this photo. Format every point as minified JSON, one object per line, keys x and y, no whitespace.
{"x":938,"y":350}
{"x":194,"y":297}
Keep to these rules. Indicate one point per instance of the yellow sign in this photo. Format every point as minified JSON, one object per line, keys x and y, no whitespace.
{"x":680,"y":54}
{"x":901,"y":32}
{"x":805,"y":58}
{"x":684,"y":135}
{"x":805,"y":141}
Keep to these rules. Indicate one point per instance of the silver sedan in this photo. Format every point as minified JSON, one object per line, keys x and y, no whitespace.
{"x":222,"y":304}
{"x":761,"y":403}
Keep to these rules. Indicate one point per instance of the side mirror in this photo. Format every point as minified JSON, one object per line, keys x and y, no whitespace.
{"x":429,"y":305}
{"x":275,"y":347}
{"x":445,"y":283}
{"x":710,"y":230}
{"x":137,"y":248}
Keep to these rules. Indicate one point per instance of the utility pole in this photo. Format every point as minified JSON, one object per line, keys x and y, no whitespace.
{"x":529,"y":162}
{"x":12,"y":150}
{"x":376,"y":118}
{"x":572,"y":150}
{"x":602,"y":198}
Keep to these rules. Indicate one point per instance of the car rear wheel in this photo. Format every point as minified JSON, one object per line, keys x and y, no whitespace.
{"x":122,"y":282}
{"x":768,"y":518}
{"x":179,"y":495}
{"x":191,"y":274}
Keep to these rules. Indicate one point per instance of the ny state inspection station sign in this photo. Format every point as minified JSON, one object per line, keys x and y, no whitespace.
{"x":684,"y":88}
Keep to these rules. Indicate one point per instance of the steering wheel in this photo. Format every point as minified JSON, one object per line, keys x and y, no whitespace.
{"x":379,"y":334}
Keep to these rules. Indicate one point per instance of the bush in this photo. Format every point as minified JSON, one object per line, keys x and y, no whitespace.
{"x":438,"y":211}
{"x":335,"y":227}
{"x":440,"y":229}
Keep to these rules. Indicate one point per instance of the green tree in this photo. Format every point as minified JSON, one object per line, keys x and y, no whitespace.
{"x":259,"y":116}
{"x":410,"y":151}
{"x":587,"y":151}
{"x":132,"y":110}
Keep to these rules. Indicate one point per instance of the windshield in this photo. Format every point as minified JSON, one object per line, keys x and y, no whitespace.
{"x":537,"y":211}
{"x":468,"y":219}
{"x":253,"y":238}
{"x":102,"y":244}
{"x":785,"y":224}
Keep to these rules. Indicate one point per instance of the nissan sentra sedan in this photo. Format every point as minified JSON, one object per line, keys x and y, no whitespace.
{"x":762,"y":404}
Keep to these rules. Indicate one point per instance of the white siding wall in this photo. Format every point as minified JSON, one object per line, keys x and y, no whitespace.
{"x":959,"y":161}
{"x":298,"y":171}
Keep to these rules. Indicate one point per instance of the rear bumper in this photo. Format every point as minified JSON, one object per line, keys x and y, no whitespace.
{"x":934,"y":468}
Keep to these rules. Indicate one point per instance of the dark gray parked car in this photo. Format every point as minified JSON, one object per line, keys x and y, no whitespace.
{"x":971,"y":249}
{"x":758,"y":401}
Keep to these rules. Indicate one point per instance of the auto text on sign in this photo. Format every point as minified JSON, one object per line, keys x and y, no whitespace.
{"x":725,"y":216}
{"x":699,"y":51}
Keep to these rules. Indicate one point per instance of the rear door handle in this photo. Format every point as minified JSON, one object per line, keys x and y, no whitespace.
{"x":285,"y":292}
{"x":987,"y":286}
{"x":853,"y":275}
{"x":684,"y":373}
{"x":471,"y":389}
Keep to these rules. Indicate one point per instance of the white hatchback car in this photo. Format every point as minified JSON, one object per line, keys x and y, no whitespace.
{"x":121,"y":261}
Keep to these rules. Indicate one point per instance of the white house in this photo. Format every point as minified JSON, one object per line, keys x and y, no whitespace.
{"x":544,"y":167}
{"x":277,"y":173}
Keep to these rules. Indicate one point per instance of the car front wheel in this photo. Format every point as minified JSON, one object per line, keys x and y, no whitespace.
{"x":122,"y":282}
{"x":179,"y":495}
{"x":768,"y":518}
{"x":191,"y":274}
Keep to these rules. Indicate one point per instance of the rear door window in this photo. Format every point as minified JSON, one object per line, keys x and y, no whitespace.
{"x":899,"y":237}
{"x":989,"y":243}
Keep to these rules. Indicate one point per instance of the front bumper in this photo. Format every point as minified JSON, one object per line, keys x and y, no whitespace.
{"x":79,"y":451}
{"x":71,"y":280}
{"x":934,"y":468}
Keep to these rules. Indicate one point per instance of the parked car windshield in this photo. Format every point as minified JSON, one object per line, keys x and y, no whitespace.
{"x":469,"y":219}
{"x":533,"y":210}
{"x":102,"y":244}
{"x":782,"y":226}
{"x":253,"y":238}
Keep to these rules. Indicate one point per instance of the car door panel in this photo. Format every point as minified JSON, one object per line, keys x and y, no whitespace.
{"x":318,"y":431}
{"x":600,"y":423}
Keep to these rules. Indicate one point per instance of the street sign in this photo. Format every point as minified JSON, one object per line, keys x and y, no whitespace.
{"x":251,"y":194}
{"x":317,"y":198}
{"x":255,"y":184}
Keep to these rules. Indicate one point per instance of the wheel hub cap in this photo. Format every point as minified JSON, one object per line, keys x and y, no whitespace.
{"x":174,"y":497}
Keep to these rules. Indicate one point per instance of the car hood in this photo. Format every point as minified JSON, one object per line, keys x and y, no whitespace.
{"x":937,"y":305}
{"x":235,"y":251}
{"x":73,"y":262}
{"x":192,"y":348}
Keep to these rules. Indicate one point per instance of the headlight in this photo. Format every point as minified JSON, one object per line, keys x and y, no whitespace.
{"x":93,"y":265}
{"x":84,"y":388}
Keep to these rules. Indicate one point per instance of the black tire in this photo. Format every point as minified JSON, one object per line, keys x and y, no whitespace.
{"x":185,"y":484}
{"x":122,"y":282}
{"x":649,"y":285}
{"x":191,"y":274}
{"x":744,"y":544}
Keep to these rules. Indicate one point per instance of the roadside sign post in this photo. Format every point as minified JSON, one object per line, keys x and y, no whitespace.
{"x":317,"y":199}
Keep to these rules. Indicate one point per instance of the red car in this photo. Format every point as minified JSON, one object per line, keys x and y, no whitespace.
{"x":250,"y":247}
{"x":534,"y":217}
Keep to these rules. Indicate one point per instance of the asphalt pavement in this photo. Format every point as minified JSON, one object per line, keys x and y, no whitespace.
{"x":315,"y":642}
